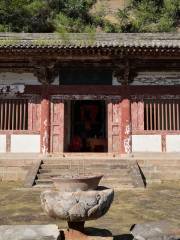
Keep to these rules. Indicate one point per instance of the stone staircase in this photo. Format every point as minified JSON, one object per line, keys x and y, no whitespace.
{"x":116,"y":171}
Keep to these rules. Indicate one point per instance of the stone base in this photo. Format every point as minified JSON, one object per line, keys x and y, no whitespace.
{"x":50,"y":232}
{"x":27,"y":232}
{"x":89,"y":234}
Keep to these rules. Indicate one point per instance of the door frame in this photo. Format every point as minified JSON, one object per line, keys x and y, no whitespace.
{"x":113,"y":120}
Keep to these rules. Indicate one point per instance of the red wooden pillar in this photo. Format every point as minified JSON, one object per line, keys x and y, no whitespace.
{"x":125,"y":131}
{"x":45,"y":122}
{"x":114,"y":126}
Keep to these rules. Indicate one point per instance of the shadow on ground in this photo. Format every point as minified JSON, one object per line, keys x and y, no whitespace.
{"x":123,"y":237}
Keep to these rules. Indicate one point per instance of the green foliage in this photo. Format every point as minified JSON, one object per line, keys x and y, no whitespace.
{"x":77,"y":8}
{"x":64,"y":24}
{"x":66,"y":16}
{"x":46,"y":15}
{"x":27,"y":16}
{"x":149,"y":16}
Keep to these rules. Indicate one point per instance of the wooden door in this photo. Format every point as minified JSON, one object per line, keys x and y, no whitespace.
{"x":114,"y":126}
{"x":57,"y":126}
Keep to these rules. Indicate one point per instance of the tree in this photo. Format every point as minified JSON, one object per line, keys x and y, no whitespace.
{"x":27,"y":16}
{"x":149,"y":16}
{"x":75,"y":16}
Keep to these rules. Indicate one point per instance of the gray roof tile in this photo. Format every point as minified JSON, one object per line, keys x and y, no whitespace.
{"x":85,"y":40}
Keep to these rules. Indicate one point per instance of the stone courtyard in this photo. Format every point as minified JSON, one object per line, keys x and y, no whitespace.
{"x":19,"y":205}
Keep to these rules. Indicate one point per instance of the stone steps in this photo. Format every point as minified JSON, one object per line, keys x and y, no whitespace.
{"x":155,"y":166}
{"x":116,"y":172}
{"x":43,"y":181}
{"x":111,"y":183}
{"x":84,"y":161}
{"x":120,"y":175}
{"x":81,"y":168}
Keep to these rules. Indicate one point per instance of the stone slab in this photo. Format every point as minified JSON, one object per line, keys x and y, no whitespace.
{"x":29,"y":232}
{"x":32,"y":173}
{"x":136,"y":175}
{"x":50,"y":232}
{"x":160,"y":230}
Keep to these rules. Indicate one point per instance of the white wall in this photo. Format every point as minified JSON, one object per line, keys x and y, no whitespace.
{"x":146,"y":143}
{"x":8,"y":78}
{"x":173,"y":143}
{"x":2,"y":143}
{"x":25,"y":143}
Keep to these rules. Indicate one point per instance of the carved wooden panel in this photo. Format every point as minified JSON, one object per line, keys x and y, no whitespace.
{"x":57,"y":126}
{"x":114,"y":126}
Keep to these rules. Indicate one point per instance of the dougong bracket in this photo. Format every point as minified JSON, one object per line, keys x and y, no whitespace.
{"x":46,"y":73}
{"x":125,"y":73}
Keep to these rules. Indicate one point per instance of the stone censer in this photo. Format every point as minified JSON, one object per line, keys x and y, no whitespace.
{"x":76,"y":200}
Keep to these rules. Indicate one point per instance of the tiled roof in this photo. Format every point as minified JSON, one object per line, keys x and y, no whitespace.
{"x":82,"y":40}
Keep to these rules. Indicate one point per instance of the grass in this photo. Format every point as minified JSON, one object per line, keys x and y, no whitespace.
{"x":19,"y":205}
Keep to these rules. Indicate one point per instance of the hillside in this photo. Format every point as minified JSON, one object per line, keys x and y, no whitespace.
{"x":66,"y":16}
{"x":110,"y":8}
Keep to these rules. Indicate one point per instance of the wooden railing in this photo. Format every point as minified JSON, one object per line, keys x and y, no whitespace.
{"x":162,"y":115}
{"x":13,"y":114}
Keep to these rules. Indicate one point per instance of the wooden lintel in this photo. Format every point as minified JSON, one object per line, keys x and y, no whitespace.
{"x":105,"y":90}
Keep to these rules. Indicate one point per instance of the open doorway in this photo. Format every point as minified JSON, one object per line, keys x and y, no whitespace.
{"x":85,"y":126}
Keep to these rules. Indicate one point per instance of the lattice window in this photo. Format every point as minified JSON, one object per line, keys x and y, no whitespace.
{"x":13,"y":114}
{"x":162,"y":114}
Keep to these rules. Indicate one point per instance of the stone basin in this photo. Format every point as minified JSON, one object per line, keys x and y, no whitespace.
{"x":76,"y":183}
{"x":77,"y":206}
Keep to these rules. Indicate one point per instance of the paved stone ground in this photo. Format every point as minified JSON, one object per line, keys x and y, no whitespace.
{"x":19,"y":205}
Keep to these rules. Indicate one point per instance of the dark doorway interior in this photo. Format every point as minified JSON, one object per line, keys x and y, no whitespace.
{"x":88,"y":126}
